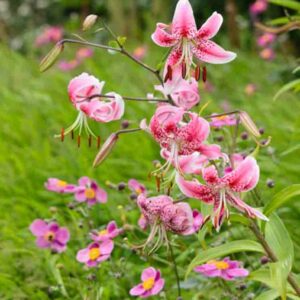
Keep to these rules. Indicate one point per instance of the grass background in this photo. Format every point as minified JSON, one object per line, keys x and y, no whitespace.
{"x":34,"y":106}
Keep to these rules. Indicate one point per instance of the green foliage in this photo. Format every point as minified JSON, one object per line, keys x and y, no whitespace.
{"x":287,"y":3}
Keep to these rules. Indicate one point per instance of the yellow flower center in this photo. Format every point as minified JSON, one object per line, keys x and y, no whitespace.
{"x":148,"y":284}
{"x":138,"y":191}
{"x":61,"y":183}
{"x":89,"y":193}
{"x":102,"y":232}
{"x":94,"y":253}
{"x":221,"y":118}
{"x":49,"y":236}
{"x":221,"y":265}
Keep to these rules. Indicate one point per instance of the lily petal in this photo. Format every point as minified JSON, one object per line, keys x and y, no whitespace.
{"x":162,"y":38}
{"x":211,"y":27}
{"x":210,"y":52}
{"x":195,"y":189}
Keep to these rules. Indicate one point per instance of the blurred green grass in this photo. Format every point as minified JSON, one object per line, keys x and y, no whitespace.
{"x":35,"y":106}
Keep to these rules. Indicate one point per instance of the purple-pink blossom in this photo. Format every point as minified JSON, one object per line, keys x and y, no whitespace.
{"x":136,"y":187}
{"x":267,"y":54}
{"x":198,"y":222}
{"x":266,"y":39}
{"x":95,"y":253}
{"x":152,"y":284}
{"x":59,"y":186}
{"x":225,"y":120}
{"x":89,"y":191}
{"x":226,"y":269}
{"x":50,"y":235}
{"x":110,"y":232}
{"x":258,"y":7}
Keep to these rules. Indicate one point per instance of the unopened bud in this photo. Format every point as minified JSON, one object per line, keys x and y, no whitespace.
{"x":133,"y":196}
{"x":121,"y":186}
{"x":220,"y":138}
{"x":105,"y":149}
{"x":261,"y":130}
{"x":244,"y":135}
{"x":53,"y":209}
{"x":249,"y":124}
{"x":125,"y":124}
{"x":264,"y":260}
{"x":49,"y":60}
{"x":71,"y":205}
{"x":89,"y":22}
{"x":156,"y":163}
{"x":270,"y":183}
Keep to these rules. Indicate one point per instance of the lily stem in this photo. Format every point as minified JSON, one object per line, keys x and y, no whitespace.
{"x":125,"y":98}
{"x":260,"y":237}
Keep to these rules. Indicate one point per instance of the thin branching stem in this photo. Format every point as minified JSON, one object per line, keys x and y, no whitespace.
{"x":141,"y":99}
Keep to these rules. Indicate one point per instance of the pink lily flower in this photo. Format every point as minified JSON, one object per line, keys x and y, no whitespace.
{"x":221,"y":191}
{"x":266,"y":39}
{"x":90,"y":192}
{"x":151,"y":285}
{"x":136,"y":187}
{"x":142,"y":222}
{"x":187,"y":41}
{"x":198,"y":222}
{"x":220,"y":121}
{"x":226,"y":269}
{"x":110,"y":232}
{"x":267,"y":54}
{"x":95,"y":253}
{"x":59,"y":186}
{"x":50,"y":235}
{"x":50,"y":35}
{"x":178,"y":137}
{"x":185,"y":93}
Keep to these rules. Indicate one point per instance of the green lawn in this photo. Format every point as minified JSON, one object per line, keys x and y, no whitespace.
{"x":35,"y":106}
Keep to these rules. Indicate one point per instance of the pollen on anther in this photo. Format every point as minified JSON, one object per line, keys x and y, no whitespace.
{"x":72,"y":134}
{"x":90,"y":141}
{"x":169,"y":74}
{"x":197,"y":73}
{"x":62,"y":134}
{"x":183,"y":70}
{"x":98,"y":142}
{"x":204,"y":74}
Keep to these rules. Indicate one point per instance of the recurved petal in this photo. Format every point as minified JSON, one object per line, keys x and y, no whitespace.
{"x":244,"y":177}
{"x":195,"y":189}
{"x":162,"y":38}
{"x":183,"y":23}
{"x":211,"y":27}
{"x":210,"y":52}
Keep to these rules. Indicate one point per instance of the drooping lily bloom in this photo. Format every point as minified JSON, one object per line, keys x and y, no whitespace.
{"x":258,"y":7}
{"x":178,"y":136}
{"x":266,"y":39}
{"x":136,"y":187}
{"x":187,"y":41}
{"x":95,"y":253}
{"x":50,"y":235}
{"x":105,"y":110}
{"x":220,"y":191}
{"x":226,"y":269}
{"x":110,"y":232}
{"x":50,"y":35}
{"x":197,"y":222}
{"x":220,"y":121}
{"x":267,"y":54}
{"x":185,"y":93}
{"x":162,"y":214}
{"x":151,"y":285}
{"x":90,"y":192}
{"x":59,"y":186}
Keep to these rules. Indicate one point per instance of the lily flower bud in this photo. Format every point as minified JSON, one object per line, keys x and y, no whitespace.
{"x":89,"y":22}
{"x":49,"y":60}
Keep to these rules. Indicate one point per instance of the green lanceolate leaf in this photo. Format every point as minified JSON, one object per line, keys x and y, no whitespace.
{"x":289,"y":86}
{"x":281,"y":198}
{"x":268,"y":295}
{"x":223,"y":250}
{"x":287,"y":3}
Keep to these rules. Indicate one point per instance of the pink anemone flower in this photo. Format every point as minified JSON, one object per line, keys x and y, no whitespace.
{"x":220,"y":121}
{"x":85,"y":93}
{"x":266,"y":39}
{"x":185,"y":93}
{"x":50,"y":235}
{"x":226,"y":269}
{"x":151,"y":285}
{"x":163,"y":215}
{"x":90,"y":192}
{"x":187,"y":41}
{"x":219,"y":191}
{"x":267,"y":54}
{"x":180,"y":136}
{"x":59,"y":186}
{"x":95,"y":253}
{"x":136,"y":187}
{"x":110,"y":232}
